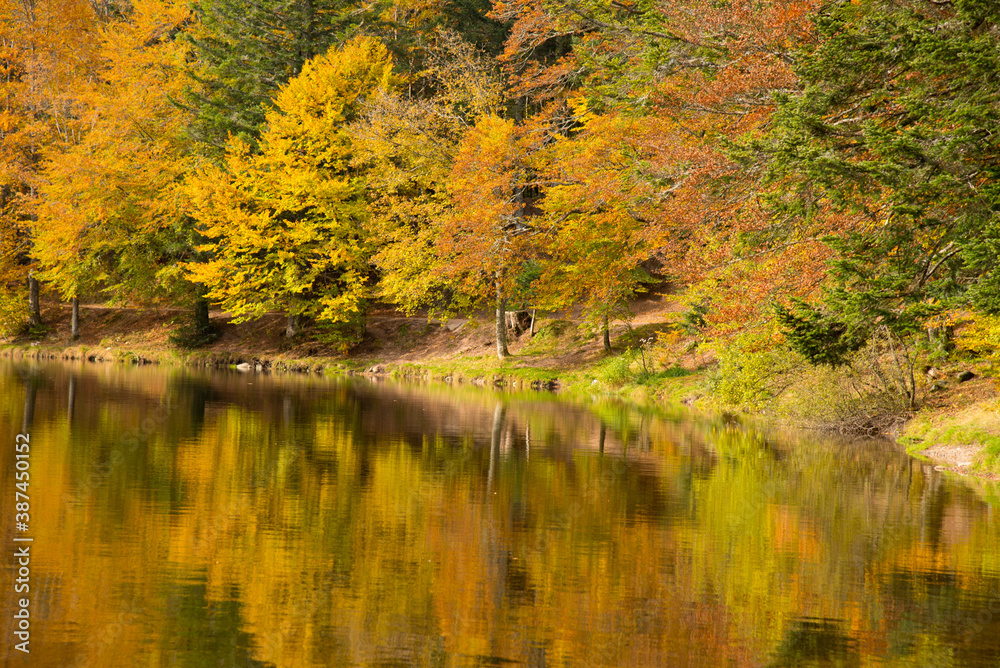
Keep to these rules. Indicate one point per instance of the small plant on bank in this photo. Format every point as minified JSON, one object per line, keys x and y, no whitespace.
{"x":189,"y":335}
{"x":617,"y":371}
{"x":635,"y":366}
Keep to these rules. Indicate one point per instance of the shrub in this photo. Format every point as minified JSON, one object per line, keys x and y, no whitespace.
{"x":868,"y":394}
{"x":617,"y":371}
{"x":982,"y":338}
{"x":753,"y":370}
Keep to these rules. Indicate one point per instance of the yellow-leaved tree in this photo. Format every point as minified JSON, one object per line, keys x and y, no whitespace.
{"x":286,"y":225}
{"x":108,"y":219}
{"x":410,"y":138}
{"x":598,"y":212}
{"x":47,"y":61}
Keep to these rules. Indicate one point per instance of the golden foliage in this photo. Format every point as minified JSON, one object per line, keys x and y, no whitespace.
{"x":286,"y":225}
{"x":108,"y":202}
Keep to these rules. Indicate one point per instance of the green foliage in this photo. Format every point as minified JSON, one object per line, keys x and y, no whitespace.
{"x":890,"y":148}
{"x":693,"y":318}
{"x":868,"y":393}
{"x":342,"y":335}
{"x":618,"y":370}
{"x":246,"y":50}
{"x":752,"y":371}
{"x":822,"y":339}
{"x":630,"y":368}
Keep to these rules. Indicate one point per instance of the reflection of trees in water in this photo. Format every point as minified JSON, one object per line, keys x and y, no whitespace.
{"x":71,"y":398}
{"x":387,"y":500}
{"x":31,"y":383}
{"x":815,"y":642}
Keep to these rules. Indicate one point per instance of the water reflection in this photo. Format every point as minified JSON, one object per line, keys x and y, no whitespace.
{"x":185,"y":518}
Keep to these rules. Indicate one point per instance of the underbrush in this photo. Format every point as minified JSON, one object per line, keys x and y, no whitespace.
{"x":13,"y":312}
{"x":872,"y":393}
{"x":550,"y":336}
{"x":633,"y":367}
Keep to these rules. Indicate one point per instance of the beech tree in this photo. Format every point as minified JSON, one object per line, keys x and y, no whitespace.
{"x":286,"y":225}
{"x":596,"y":206}
{"x":48,"y":58}
{"x":108,"y":218}
{"x":700,"y":75}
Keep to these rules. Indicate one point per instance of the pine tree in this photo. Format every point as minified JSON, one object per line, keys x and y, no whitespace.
{"x":891,"y":145}
{"x":248,"y":49}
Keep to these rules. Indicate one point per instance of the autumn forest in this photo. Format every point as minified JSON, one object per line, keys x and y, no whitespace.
{"x":817,"y":176}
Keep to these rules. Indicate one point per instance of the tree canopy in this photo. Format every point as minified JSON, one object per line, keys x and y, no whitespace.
{"x":826,"y":168}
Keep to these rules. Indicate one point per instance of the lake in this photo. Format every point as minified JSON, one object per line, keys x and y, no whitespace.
{"x":188,"y":518}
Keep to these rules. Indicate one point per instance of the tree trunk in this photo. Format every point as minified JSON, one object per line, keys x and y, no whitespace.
{"x":74,"y":321}
{"x":532,"y":330}
{"x":34,"y":308}
{"x":606,"y":331}
{"x":501,"y":322}
{"x":499,"y":413}
{"x":291,"y":326}
{"x":201,"y":321}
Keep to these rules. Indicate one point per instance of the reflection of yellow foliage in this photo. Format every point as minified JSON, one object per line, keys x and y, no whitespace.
{"x":335,"y":544}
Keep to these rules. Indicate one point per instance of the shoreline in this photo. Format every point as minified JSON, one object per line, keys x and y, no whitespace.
{"x":959,"y":431}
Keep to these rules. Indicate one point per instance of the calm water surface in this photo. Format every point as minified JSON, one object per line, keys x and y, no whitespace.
{"x":192,"y":519}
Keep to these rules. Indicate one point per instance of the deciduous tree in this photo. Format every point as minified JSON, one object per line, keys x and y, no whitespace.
{"x":109,"y":218}
{"x":596,"y":205}
{"x":286,"y":225}
{"x":47,"y":53}
{"x":483,"y":242}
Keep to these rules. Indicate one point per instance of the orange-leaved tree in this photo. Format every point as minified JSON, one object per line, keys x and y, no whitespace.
{"x":484,"y":240}
{"x":286,"y":225}
{"x":108,"y":215}
{"x":702,"y":74}
{"x":47,"y":57}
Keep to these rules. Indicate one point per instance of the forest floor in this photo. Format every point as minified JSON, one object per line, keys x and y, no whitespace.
{"x":958,"y":426}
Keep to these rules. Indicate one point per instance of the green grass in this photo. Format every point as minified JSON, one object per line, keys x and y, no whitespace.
{"x":975,"y":425}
